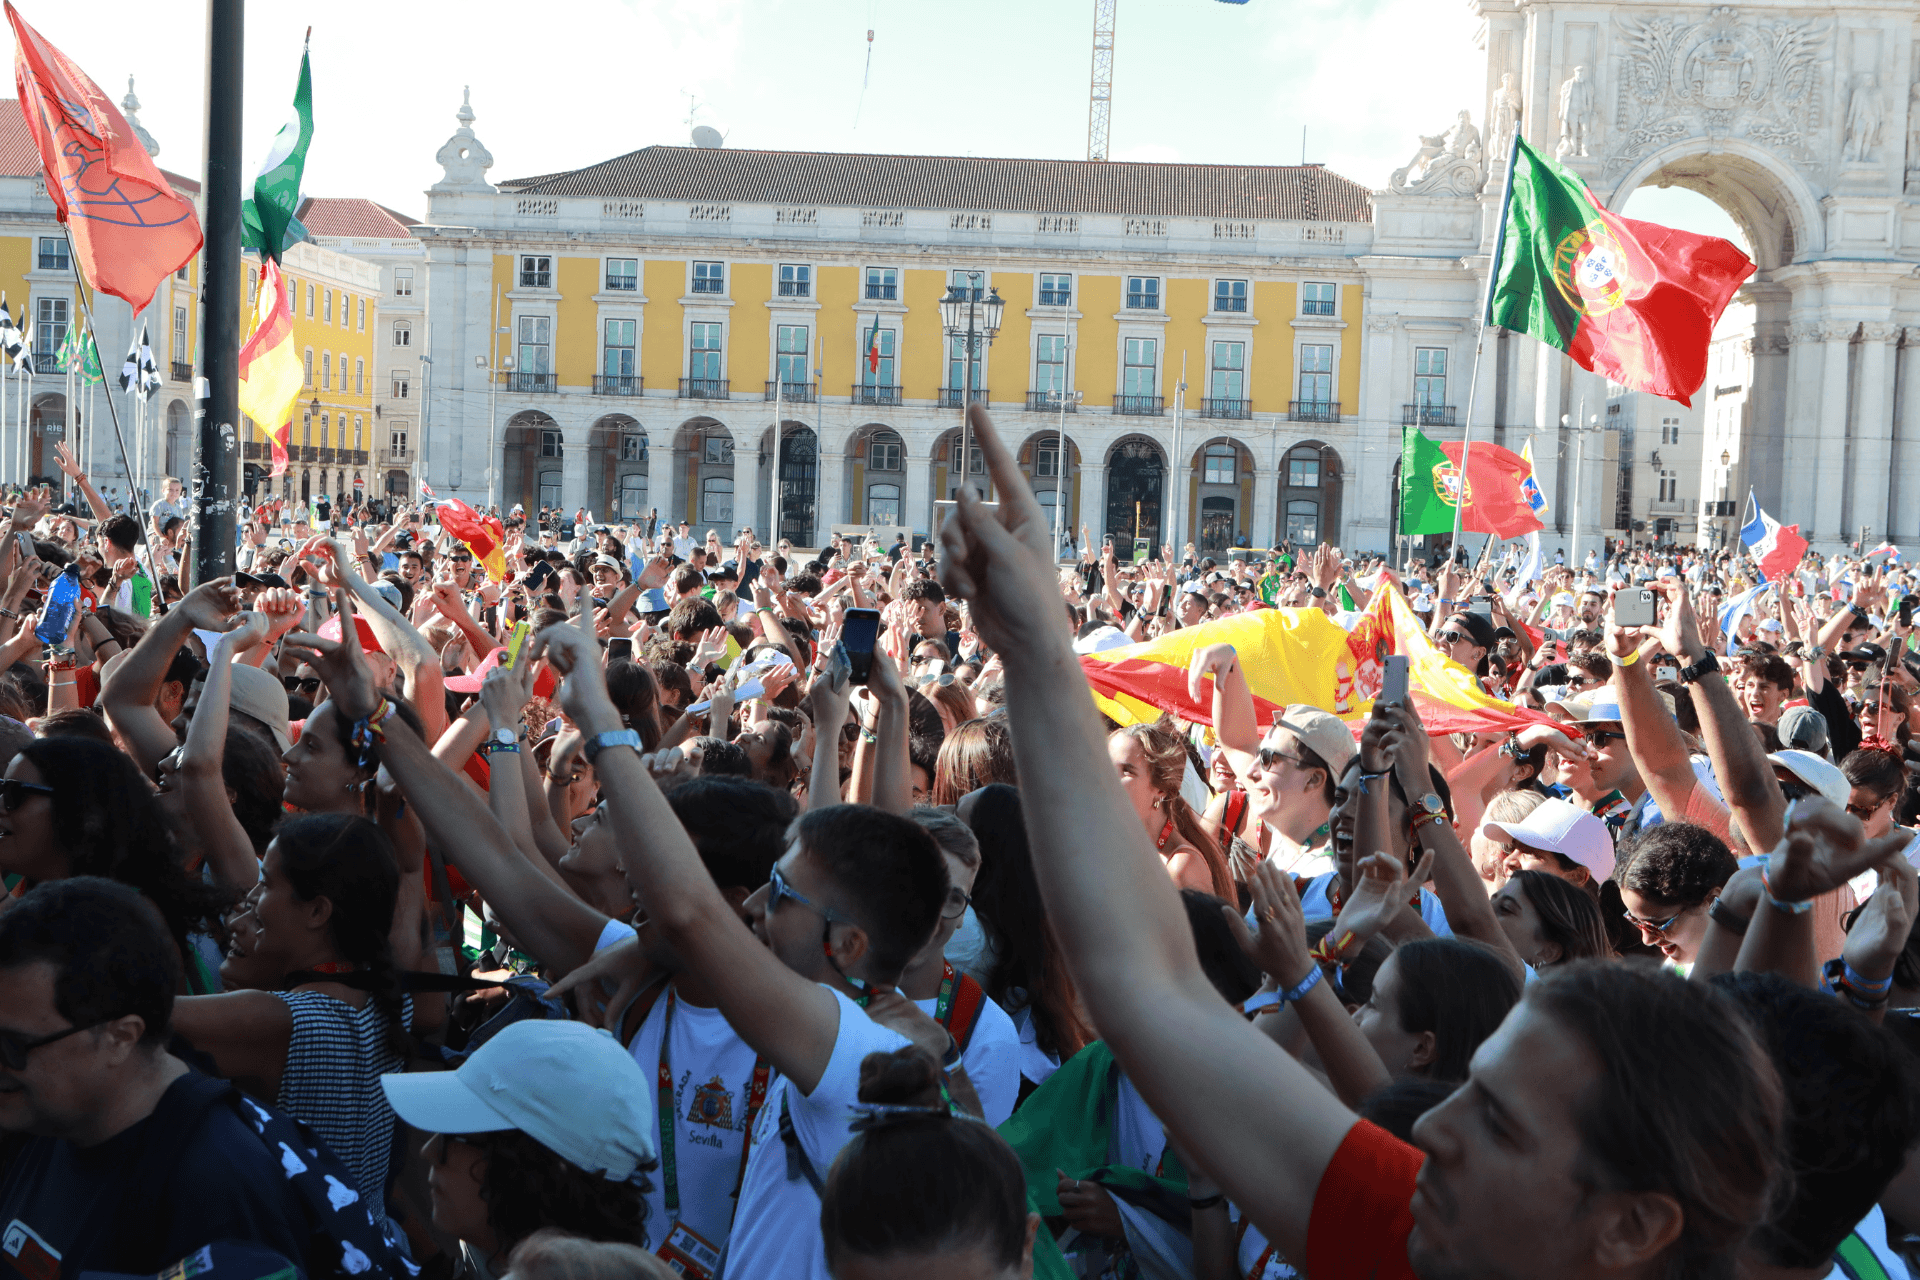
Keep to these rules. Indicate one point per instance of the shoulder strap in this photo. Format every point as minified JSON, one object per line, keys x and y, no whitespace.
{"x":1235,"y":811}
{"x":963,"y":1015}
{"x":797,"y":1163}
{"x":1857,"y":1260}
{"x":143,"y":1213}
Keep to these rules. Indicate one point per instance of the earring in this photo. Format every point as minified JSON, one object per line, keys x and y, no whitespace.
{"x":1158,"y":801}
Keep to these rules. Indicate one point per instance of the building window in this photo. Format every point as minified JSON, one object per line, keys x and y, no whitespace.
{"x":361,"y":326}
{"x":791,"y":367}
{"x":536,"y":345}
{"x":703,"y":360}
{"x":402,"y":334}
{"x":536,"y":271}
{"x":309,"y":302}
{"x":1430,"y":376}
{"x":884,"y":452}
{"x":359,"y":376}
{"x":971,"y":284}
{"x":617,"y":355}
{"x":180,"y":272}
{"x":309,"y":381}
{"x":326,"y":441}
{"x":550,"y":444}
{"x":709,"y":277}
{"x":623,"y":275}
{"x":402,"y":384}
{"x":1316,"y":299}
{"x":306,"y":429}
{"x":402,"y":282}
{"x":1143,"y":293}
{"x":1228,"y":376}
{"x":397,"y":443}
{"x":180,"y":333}
{"x":633,"y":447}
{"x":549,"y":488}
{"x":253,"y":289}
{"x":326,"y":371}
{"x":718,"y":452}
{"x":359,"y":424}
{"x":796,"y":280}
{"x":50,"y":323}
{"x":1669,"y":431}
{"x":1669,"y":486}
{"x":1050,"y":362}
{"x":1229,"y":295}
{"x":881,"y":376}
{"x":883,"y":284}
{"x":1316,"y":373}
{"x":883,"y":504}
{"x":1303,"y":523}
{"x":1056,"y":291}
{"x":1219,"y":464}
{"x":633,"y":495}
{"x":959,"y":368}
{"x":1046,"y":459}
{"x":716,"y":500}
{"x":1137,"y":378}
{"x":326,"y":307}
{"x":53,"y":254}
{"x":1303,"y":469}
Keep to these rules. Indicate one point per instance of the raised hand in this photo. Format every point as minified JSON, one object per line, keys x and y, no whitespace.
{"x":1280,"y":947}
{"x":1379,"y":894}
{"x":1824,"y":848}
{"x":339,"y":664}
{"x":209,"y":605}
{"x":1214,"y":660}
{"x":64,"y":459}
{"x":1879,"y":932}
{"x":575,"y":658}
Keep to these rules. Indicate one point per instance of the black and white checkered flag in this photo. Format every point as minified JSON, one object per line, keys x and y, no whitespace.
{"x":149,"y":372}
{"x":12,"y":340}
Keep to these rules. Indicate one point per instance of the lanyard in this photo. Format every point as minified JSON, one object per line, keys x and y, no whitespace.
{"x":943,"y":1009}
{"x":1259,"y":1267}
{"x":669,"y":1118}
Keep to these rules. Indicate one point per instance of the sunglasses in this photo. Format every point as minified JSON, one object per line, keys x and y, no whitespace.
{"x":1270,"y":757}
{"x":1865,"y":811}
{"x":1601,"y":737}
{"x":303,"y":686}
{"x":14,"y":792}
{"x":944,"y":678}
{"x":15,"y":1047}
{"x":779,"y":890}
{"x":1659,"y":927}
{"x":1453,"y":637}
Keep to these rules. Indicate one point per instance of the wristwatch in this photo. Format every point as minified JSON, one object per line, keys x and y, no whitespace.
{"x":501,"y":740}
{"x":1319,"y":593}
{"x":1708,"y":663}
{"x":1428,"y":808}
{"x":612,"y":738}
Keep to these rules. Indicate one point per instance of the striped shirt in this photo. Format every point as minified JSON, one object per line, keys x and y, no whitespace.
{"x":332,"y":1081}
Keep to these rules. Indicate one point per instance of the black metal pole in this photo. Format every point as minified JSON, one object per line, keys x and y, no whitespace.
{"x":216,"y":471}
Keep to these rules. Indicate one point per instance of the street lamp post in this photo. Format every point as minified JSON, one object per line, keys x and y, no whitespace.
{"x":964,"y":313}
{"x":493,"y":423}
{"x":1063,"y":398}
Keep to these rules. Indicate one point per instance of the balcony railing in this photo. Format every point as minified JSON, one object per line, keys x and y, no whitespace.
{"x":396,"y":457}
{"x":46,"y":362}
{"x":705,"y":389}
{"x":307,"y":452}
{"x":252,"y":450}
{"x":1056,"y":297}
{"x":1313,"y":410}
{"x":518,"y":381}
{"x":329,"y":454}
{"x":956,"y":398}
{"x":796,"y":288}
{"x":607,"y":384}
{"x":1049,"y":402}
{"x":882,"y":292}
{"x":623,"y":284}
{"x":876,"y":395}
{"x":1225,"y":407}
{"x":1140,"y":406}
{"x":182,"y":370}
{"x":1427,"y":415}
{"x":536,"y":279}
{"x":792,"y":392}
{"x":1235,"y":306}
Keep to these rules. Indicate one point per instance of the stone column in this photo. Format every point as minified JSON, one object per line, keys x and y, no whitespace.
{"x":829,"y":500}
{"x":1262,"y":531}
{"x":918,"y":499}
{"x":1904,"y":499}
{"x":746,"y":486}
{"x":1093,"y":502}
{"x":1799,"y":428}
{"x":1548,"y":367}
{"x":1828,"y":510}
{"x":573,"y":475}
{"x":1872,"y":459}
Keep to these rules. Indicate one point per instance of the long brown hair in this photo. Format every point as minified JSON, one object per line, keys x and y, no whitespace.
{"x":1166,"y":753}
{"x":976,"y":753}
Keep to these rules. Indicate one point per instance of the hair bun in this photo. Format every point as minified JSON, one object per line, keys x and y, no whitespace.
{"x":906,"y":1077}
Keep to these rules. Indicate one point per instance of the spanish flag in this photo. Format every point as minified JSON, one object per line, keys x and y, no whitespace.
{"x":270,"y":373}
{"x":484,"y":535}
{"x":1303,"y":656}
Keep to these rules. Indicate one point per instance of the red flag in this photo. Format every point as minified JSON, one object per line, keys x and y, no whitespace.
{"x":130,"y":229}
{"x":484,"y":535}
{"x":1496,"y":499}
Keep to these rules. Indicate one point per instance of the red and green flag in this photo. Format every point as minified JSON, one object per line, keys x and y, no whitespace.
{"x":873,"y":346}
{"x":1496,"y":499}
{"x":1632,"y":300}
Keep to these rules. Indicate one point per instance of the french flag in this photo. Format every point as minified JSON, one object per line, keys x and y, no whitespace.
{"x":1777,"y":548}
{"x":1892,"y":552}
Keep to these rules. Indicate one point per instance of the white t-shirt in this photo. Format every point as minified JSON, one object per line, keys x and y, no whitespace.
{"x":779,"y":1218}
{"x":1139,"y":1139}
{"x":991,"y":1059}
{"x":712,"y":1071}
{"x":1873,"y":1232}
{"x":1253,"y":1252}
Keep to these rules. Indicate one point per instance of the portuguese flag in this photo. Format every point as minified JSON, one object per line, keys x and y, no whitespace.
{"x":1632,"y":300}
{"x":1496,"y":488}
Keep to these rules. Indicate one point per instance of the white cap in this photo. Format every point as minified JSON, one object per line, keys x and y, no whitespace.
{"x":1817,"y":772}
{"x":1101,"y":640}
{"x":1565,"y":829}
{"x":568,"y":1086}
{"x":1563,"y":599}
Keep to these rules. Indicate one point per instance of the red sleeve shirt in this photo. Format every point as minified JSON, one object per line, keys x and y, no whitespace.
{"x":1362,"y":1212}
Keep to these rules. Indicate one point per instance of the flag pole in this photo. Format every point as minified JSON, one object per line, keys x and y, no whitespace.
{"x":216,"y":474}
{"x":1480,"y":335}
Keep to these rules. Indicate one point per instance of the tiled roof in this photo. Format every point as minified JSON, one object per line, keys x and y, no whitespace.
{"x":325,"y":216}
{"x":1296,"y":192}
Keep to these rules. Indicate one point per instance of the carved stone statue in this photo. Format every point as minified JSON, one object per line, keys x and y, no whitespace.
{"x":1506,"y":114}
{"x":462,"y":157}
{"x":1866,"y":116}
{"x":1463,"y":140}
{"x":1578,"y":118}
{"x":1446,"y":164}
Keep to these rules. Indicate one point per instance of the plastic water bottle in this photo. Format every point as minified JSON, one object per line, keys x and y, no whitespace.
{"x":56,"y":620}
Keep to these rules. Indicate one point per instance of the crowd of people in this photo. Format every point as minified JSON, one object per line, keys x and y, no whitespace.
{"x":604,"y":904}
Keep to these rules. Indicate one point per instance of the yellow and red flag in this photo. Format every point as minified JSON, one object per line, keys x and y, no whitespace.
{"x":130,"y":229}
{"x":270,"y":373}
{"x":485,"y":536}
{"x":1302,"y":656}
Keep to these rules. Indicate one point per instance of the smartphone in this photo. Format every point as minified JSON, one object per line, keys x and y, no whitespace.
{"x":1481,"y":608}
{"x":24,"y":543}
{"x":1635,"y":607}
{"x":515,"y":641}
{"x":1906,"y":611}
{"x":541,"y":571}
{"x":1393,"y":684}
{"x":620,"y":649}
{"x":859,"y":631}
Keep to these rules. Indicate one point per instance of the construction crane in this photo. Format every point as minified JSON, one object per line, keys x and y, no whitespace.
{"x":1100,"y":107}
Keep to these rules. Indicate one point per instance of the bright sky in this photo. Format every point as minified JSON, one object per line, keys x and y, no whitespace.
{"x":564,"y":84}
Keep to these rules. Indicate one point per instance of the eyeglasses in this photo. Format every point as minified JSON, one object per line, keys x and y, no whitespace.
{"x":1601,"y":737}
{"x":1453,"y":637}
{"x":1270,"y":757}
{"x":14,"y":792}
{"x":778,"y":890}
{"x":15,"y":1047}
{"x":944,"y":678}
{"x":1659,"y":927}
{"x":1865,"y":811}
{"x":956,"y":904}
{"x":303,"y":685}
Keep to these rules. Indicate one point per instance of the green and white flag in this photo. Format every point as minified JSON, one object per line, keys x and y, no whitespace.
{"x":266,"y":218}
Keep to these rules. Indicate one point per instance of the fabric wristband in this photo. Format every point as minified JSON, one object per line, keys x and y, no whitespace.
{"x":1791,"y":908}
{"x":1866,"y":986}
{"x":1262,"y":1001}
{"x":1298,"y":992}
{"x":1633,"y":656}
